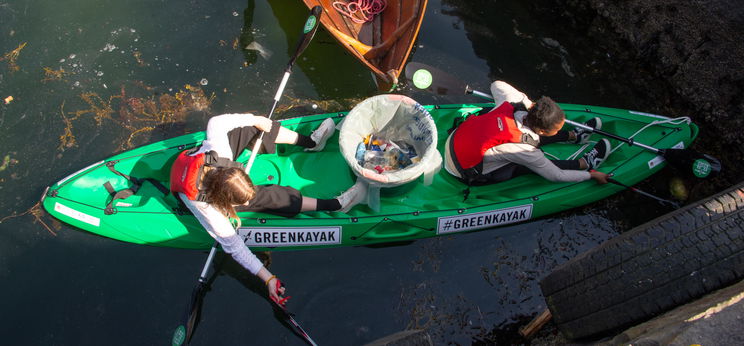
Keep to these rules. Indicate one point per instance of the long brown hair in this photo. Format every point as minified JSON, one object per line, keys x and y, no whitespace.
{"x":227,"y":187}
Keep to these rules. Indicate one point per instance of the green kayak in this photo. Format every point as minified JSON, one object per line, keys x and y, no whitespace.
{"x":149,"y":215}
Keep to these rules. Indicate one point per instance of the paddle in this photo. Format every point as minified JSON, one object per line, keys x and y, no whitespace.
{"x":184,"y":331}
{"x":280,"y":309}
{"x":308,"y":31}
{"x":434,"y":80}
{"x":658,"y":199}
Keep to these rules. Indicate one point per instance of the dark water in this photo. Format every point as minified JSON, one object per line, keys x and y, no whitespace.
{"x":116,"y":76}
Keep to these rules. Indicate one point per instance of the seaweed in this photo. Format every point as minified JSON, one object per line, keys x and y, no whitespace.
{"x":12,"y":56}
{"x":54,"y":75}
{"x":38,"y":213}
{"x":138,"y":115}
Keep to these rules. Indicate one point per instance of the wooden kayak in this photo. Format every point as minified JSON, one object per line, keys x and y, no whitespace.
{"x":382,"y":44}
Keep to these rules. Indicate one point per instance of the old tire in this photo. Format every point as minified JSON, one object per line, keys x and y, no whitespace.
{"x":650,"y":269}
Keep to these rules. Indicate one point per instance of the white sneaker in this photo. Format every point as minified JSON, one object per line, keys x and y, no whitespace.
{"x":321,"y":134}
{"x":353,"y":196}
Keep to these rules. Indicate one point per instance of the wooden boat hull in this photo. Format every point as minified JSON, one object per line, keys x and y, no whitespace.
{"x":383,"y":44}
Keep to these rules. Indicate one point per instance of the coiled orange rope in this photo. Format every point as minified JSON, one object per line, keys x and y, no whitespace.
{"x":360,"y":11}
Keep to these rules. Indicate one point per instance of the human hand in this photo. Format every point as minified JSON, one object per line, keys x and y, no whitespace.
{"x":263,"y":123}
{"x":276,"y":290}
{"x":602,"y":178}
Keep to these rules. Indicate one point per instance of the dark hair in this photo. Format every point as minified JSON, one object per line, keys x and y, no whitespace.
{"x":544,"y":114}
{"x":226,"y":187}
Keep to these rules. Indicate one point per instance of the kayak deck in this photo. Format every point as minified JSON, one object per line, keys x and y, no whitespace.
{"x":407,"y":212}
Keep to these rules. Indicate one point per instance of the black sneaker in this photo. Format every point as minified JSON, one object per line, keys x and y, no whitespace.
{"x":598,"y":154}
{"x":582,"y":135}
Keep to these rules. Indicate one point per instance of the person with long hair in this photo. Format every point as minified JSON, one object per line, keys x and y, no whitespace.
{"x":215,"y":188}
{"x":505,"y":142}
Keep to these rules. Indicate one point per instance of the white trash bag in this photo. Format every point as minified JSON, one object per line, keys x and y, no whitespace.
{"x":397,"y":119}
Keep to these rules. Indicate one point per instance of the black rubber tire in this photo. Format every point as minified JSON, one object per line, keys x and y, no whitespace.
{"x":650,"y":269}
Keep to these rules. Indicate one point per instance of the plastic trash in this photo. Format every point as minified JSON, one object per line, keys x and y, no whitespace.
{"x":399,"y":129}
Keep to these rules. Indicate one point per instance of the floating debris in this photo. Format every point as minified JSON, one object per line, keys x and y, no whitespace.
{"x":138,"y":115}
{"x":306,"y":106}
{"x":8,"y":99}
{"x":54,"y":75}
{"x":108,"y":47}
{"x":12,"y":56}
{"x":264,"y":52}
{"x":66,"y":140}
{"x":38,"y":213}
{"x":138,"y":56}
{"x":7,"y":162}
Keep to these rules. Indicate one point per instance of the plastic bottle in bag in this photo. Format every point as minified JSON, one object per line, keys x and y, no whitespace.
{"x":373,"y":158}
{"x":360,"y":151}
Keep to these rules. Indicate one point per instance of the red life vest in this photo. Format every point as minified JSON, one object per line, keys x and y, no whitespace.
{"x":479,"y":133}
{"x":187,"y":172}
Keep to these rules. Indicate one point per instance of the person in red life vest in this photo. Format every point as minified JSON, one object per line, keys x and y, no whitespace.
{"x":504,"y":143}
{"x":214,"y":187}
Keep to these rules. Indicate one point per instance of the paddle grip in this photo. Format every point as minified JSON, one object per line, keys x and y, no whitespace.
{"x":480,"y":94}
{"x":210,"y":258}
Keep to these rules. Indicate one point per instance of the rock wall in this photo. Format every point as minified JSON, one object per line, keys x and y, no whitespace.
{"x":694,"y":45}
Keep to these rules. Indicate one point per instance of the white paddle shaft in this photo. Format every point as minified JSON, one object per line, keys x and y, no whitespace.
{"x":203,"y":276}
{"x":283,"y":84}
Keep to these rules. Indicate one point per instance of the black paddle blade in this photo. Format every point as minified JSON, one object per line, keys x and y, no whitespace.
{"x":308,"y":32}
{"x":431,"y":79}
{"x":183,"y":333}
{"x":692,"y":163}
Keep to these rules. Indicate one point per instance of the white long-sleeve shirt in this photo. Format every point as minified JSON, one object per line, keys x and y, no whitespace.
{"x":519,"y":153}
{"x":217,"y":224}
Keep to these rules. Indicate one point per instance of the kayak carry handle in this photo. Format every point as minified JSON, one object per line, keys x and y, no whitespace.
{"x":390,"y":230}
